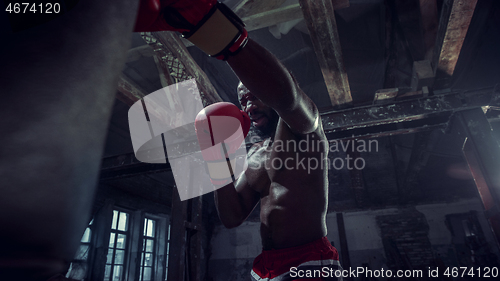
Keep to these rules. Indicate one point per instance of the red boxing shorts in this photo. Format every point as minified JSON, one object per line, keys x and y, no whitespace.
{"x":317,"y":260}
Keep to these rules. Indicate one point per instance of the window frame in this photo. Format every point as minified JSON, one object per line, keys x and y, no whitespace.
{"x":154,"y":251}
{"x":126,"y":249}
{"x":102,"y":232}
{"x":160,"y":265}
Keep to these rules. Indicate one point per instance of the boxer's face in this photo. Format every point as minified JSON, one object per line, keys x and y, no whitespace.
{"x":264,"y":118}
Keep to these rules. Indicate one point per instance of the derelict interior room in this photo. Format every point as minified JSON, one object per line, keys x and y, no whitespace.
{"x":408,"y":94}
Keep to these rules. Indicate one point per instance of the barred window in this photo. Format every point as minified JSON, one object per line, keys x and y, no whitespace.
{"x":116,"y":259}
{"x":148,"y":250}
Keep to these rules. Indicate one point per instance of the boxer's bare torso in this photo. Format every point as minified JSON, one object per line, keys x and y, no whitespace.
{"x":280,"y":175}
{"x":293,"y":202}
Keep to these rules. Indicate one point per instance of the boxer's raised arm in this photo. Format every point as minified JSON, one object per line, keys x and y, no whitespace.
{"x":267,"y":79}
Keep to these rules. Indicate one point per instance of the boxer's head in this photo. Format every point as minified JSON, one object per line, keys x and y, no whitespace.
{"x":264,"y":118}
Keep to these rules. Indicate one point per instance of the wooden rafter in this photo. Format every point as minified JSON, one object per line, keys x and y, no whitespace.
{"x":454,"y":22}
{"x":340,"y":4}
{"x":482,"y":153}
{"x":272,"y":17}
{"x":128,"y":92}
{"x":251,"y":7}
{"x":268,"y":13}
{"x":170,"y":43}
{"x":127,"y":165}
{"x":163,"y":71}
{"x":404,"y":116}
{"x":160,"y":57}
{"x":320,"y":19}
{"x":247,"y":8}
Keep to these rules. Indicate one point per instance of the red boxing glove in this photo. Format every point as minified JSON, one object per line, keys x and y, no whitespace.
{"x":171,"y":15}
{"x":221,"y":128}
{"x":208,"y":24}
{"x":148,"y":15}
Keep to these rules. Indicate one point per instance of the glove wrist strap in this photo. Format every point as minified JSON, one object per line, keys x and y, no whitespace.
{"x":220,"y":34}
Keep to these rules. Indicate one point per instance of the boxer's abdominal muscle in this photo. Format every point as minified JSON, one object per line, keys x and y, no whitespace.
{"x":292,"y":216}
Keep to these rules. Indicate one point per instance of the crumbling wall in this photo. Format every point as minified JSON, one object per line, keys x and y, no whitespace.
{"x":420,"y":234}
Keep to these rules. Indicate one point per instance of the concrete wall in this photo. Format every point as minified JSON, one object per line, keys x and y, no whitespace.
{"x":440,"y":236}
{"x":363,"y":237}
{"x":233,"y":250}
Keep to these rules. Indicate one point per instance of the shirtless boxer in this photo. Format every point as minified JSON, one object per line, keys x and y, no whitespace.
{"x":293,"y":199}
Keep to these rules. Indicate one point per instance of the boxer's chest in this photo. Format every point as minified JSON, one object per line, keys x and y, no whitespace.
{"x":266,"y":165}
{"x":258,"y":169}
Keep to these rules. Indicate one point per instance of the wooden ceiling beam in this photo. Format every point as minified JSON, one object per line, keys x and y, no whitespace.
{"x":272,"y":17}
{"x":128,"y":92}
{"x":170,"y":43}
{"x":404,"y":116}
{"x":251,"y":7}
{"x":127,"y":165}
{"x":320,"y":19}
{"x":163,"y":71}
{"x":454,"y":22}
{"x":256,"y":18}
{"x":160,"y":57}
